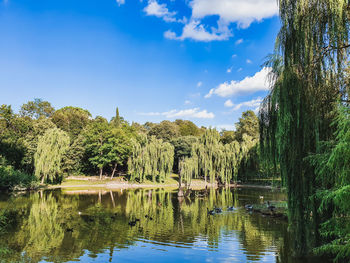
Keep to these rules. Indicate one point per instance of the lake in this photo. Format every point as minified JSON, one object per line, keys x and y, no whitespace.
{"x":99,"y":226}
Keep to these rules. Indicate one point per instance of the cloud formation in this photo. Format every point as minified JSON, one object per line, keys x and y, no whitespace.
{"x":228,"y":103}
{"x":188,"y":113}
{"x":242,"y":12}
{"x":196,"y":31}
{"x":258,"y":82}
{"x":159,"y":10}
{"x":254,"y":103}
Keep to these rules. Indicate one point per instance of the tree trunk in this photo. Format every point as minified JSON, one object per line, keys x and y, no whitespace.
{"x":42,"y":179}
{"x":112,"y":198}
{"x":101,"y":171}
{"x":114,"y":169}
{"x":180,"y":193}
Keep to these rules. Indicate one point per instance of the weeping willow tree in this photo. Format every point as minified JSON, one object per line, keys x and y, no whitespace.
{"x":52,"y":146}
{"x":211,"y":158}
{"x":151,"y":157}
{"x":307,"y":83}
{"x":188,"y":169}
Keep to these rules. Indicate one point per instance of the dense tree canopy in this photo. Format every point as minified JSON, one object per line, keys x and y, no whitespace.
{"x":96,"y":146}
{"x":37,"y":108}
{"x":71,"y":119}
{"x":165,"y":130}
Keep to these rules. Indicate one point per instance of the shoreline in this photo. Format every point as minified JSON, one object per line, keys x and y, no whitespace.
{"x":93,"y":183}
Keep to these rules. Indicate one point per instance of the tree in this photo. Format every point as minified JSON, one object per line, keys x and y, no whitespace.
{"x":36,"y":109}
{"x":121,"y":148}
{"x":151,"y":157}
{"x":73,"y":161}
{"x":13,"y":131}
{"x":332,"y":165}
{"x":165,"y":130}
{"x":247,"y":124}
{"x":116,"y":120}
{"x":227,"y":136}
{"x":71,"y":120}
{"x":98,"y":143}
{"x":182,"y":148}
{"x":49,"y":154}
{"x":187,"y":128}
{"x":36,"y":129}
{"x":308,"y":76}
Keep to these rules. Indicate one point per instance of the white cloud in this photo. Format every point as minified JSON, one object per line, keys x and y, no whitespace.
{"x":255,"y":103}
{"x":196,"y":31}
{"x":229,"y":70}
{"x":187,"y":102}
{"x":234,"y":56}
{"x":239,"y":70}
{"x":258,"y":82}
{"x":249,"y":61}
{"x":239,"y":41}
{"x":199,"y":84}
{"x":188,"y":113}
{"x":120,"y":2}
{"x":242,"y":12}
{"x":170,"y":34}
{"x":228,"y":103}
{"x":159,"y":10}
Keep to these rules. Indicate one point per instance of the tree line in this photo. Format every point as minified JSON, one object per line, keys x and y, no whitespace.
{"x":41,"y":144}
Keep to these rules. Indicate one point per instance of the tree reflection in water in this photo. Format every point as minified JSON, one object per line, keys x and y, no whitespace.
{"x":60,"y":226}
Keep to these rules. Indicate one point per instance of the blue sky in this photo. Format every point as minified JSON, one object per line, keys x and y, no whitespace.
{"x":154,"y":59}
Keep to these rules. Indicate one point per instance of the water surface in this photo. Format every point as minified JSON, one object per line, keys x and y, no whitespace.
{"x":93,"y":226}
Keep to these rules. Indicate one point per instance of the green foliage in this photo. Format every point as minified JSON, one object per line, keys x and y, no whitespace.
{"x":182,"y":148}
{"x":107,"y":145}
{"x":11,"y":179}
{"x":211,"y":158}
{"x":308,"y":76}
{"x":52,"y":146}
{"x":332,"y":167}
{"x":97,"y":143}
{"x":165,"y":130}
{"x":121,"y":146}
{"x":36,"y":109}
{"x":30,"y":141}
{"x":74,"y":157}
{"x":151,"y":157}
{"x":12,"y":133}
{"x":227,"y":136}
{"x":248,"y":124}
{"x":71,"y":120}
{"x":188,"y":128}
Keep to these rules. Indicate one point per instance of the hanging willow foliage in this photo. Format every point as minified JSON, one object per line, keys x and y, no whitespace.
{"x":51,"y":148}
{"x":307,"y":82}
{"x":151,"y":157}
{"x":210,"y":158}
{"x":188,"y":169}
